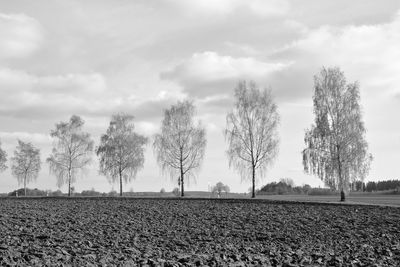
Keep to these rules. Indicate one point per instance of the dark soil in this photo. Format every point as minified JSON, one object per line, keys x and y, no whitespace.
{"x":173,"y":232}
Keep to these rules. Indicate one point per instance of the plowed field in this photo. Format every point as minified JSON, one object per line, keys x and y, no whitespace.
{"x":174,"y":232}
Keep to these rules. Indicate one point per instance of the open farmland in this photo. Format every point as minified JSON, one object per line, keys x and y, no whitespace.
{"x":175,"y":232}
{"x":372,"y":199}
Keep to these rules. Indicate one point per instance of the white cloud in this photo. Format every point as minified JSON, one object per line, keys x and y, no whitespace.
{"x":36,"y":138}
{"x":25,"y":95}
{"x":225,"y":7}
{"x":90,"y":83}
{"x":20,"y":34}
{"x":146,"y":128}
{"x":209,"y":73}
{"x":369,"y":53}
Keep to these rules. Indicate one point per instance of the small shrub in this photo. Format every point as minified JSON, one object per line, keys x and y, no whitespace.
{"x":176,"y":192}
{"x":113,"y":193}
{"x":91,"y":193}
{"x":57,"y":193}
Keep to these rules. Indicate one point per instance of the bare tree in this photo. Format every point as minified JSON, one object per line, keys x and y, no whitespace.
{"x":3,"y":159}
{"x":71,"y":153}
{"x":219,"y":188}
{"x":180,"y":146}
{"x":252,"y":131}
{"x":121,"y":150}
{"x":25,"y":163}
{"x":336,"y":150}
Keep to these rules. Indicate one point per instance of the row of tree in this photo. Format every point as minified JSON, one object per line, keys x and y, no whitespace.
{"x":336,"y":150}
{"x":382,"y":185}
{"x":371,"y":186}
{"x":285,"y":186}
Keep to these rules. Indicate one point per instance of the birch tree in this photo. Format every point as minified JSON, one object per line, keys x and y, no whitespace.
{"x":71,"y":153}
{"x":336,"y":150}
{"x":3,"y":159}
{"x":121,"y":150}
{"x":252,"y":131}
{"x":181,"y":144}
{"x":25,"y":165}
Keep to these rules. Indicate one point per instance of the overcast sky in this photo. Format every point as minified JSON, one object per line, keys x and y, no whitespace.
{"x":95,"y":58}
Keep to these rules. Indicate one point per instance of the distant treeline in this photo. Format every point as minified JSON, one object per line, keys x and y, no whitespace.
{"x":58,"y":193}
{"x":383,"y":185}
{"x":85,"y":193}
{"x":376,"y":186}
{"x":285,"y":186}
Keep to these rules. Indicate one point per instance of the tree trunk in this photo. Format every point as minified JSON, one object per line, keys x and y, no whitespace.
{"x":69,"y":186}
{"x":253,"y":193}
{"x":120,"y":184}
{"x":182,"y":188}
{"x":341,"y":182}
{"x":69,"y":183}
{"x":25,"y":186}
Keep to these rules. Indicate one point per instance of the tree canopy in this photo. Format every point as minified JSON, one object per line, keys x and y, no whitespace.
{"x":121,"y":150}
{"x":336,"y":150}
{"x":72,"y":151}
{"x":25,"y":163}
{"x":181,"y":144}
{"x":3,"y":159}
{"x":252,"y":131}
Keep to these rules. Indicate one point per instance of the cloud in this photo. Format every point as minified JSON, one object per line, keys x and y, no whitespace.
{"x":21,"y":35}
{"x":368,"y":53}
{"x":146,"y":128}
{"x":225,"y":7}
{"x":25,"y":95}
{"x":208,"y":73}
{"x":149,"y":108}
{"x":215,"y":105}
{"x":36,"y":138}
{"x":28,"y":95}
{"x":90,"y":83}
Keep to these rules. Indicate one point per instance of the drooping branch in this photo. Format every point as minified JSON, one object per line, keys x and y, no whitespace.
{"x":336,"y":150}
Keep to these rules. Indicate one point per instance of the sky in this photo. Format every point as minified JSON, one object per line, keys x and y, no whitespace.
{"x":96,"y":58}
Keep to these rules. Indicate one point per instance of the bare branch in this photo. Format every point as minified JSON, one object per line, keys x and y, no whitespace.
{"x":121,"y":150}
{"x":251,"y":131}
{"x":25,"y":165}
{"x":72,"y":151}
{"x":180,"y":146}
